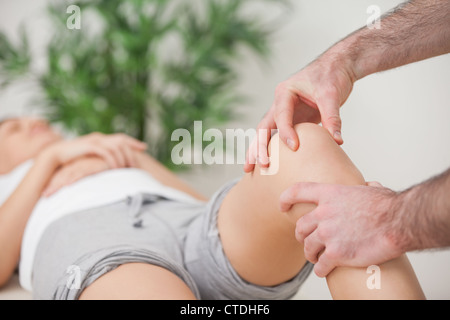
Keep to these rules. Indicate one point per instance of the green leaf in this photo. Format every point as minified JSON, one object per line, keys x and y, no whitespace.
{"x":168,"y":62}
{"x":14,"y":59}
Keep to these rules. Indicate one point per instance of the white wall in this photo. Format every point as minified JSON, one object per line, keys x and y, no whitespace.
{"x":395,"y":124}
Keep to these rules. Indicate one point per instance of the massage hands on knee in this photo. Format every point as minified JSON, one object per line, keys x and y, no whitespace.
{"x":359,"y":226}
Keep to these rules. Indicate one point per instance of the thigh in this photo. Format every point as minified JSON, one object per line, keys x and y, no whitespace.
{"x":258,"y":239}
{"x":138,"y":281}
{"x":92,"y":243}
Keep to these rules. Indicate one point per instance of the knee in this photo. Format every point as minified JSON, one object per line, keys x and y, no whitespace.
{"x":318,"y":159}
{"x":310,"y":127}
{"x":314,"y":138}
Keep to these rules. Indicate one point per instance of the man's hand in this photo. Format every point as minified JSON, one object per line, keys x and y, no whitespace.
{"x":413,"y":31}
{"x":351,"y":225}
{"x":314,"y":94}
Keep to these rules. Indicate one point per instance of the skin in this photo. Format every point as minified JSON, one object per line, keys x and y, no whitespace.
{"x":383,"y":223}
{"x":389,"y":223}
{"x":270,"y":242}
{"x":31,"y":134}
{"x":256,"y":231}
{"x":26,"y":138}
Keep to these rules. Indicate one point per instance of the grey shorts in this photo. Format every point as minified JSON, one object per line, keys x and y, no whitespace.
{"x":183,"y":238}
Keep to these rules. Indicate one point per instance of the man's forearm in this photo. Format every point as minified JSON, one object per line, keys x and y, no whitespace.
{"x":421,"y":215}
{"x":413,"y":31}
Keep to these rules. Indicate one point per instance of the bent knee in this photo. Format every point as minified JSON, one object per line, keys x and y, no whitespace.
{"x":313,"y":130}
{"x":315,"y":138}
{"x":318,"y":159}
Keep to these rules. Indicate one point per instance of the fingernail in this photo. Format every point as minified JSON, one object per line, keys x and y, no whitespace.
{"x":262,"y":160}
{"x":337,"y":135}
{"x":291,"y":143}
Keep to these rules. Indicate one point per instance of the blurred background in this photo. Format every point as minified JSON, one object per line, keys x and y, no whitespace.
{"x":147,"y":67}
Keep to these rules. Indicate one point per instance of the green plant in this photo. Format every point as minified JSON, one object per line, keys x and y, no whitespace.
{"x":143,"y":67}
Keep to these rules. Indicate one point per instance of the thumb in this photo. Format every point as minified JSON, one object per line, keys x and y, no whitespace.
{"x":331,"y":120}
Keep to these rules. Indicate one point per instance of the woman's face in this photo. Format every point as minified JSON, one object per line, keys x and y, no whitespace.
{"x":22,"y":139}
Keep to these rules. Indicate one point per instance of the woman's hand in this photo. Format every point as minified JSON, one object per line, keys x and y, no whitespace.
{"x":116,"y":149}
{"x":74,"y":171}
{"x":89,"y":155}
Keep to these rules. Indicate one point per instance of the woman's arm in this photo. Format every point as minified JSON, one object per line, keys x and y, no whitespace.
{"x":164,"y":175}
{"x":14,"y":213}
{"x":87,"y":166}
{"x":74,"y":171}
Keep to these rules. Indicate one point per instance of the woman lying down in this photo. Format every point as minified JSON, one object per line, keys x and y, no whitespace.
{"x":97,"y":218}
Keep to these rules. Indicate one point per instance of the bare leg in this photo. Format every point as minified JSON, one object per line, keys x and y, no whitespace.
{"x":138,"y":281}
{"x":259,"y":240}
